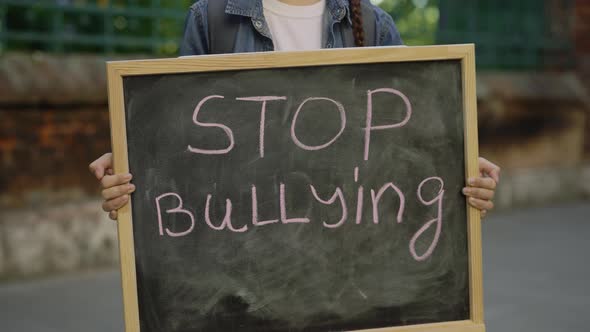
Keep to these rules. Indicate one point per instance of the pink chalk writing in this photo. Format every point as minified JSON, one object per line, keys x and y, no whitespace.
{"x":359,"y":198}
{"x":325,"y":145}
{"x":370,"y":127}
{"x":283,"y":208}
{"x":226,"y":220}
{"x":225,"y":128}
{"x":340,"y":198}
{"x":178,"y":209}
{"x":255,"y":221}
{"x":337,"y":194}
{"x":377,"y":198}
{"x":438,"y":220}
{"x":263,"y":99}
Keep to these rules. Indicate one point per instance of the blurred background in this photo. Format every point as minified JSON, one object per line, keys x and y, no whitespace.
{"x":58,"y":250}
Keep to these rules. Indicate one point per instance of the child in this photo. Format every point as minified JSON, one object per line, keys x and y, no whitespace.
{"x":283,"y":25}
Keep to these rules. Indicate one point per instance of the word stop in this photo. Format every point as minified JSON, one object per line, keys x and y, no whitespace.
{"x":264,"y":100}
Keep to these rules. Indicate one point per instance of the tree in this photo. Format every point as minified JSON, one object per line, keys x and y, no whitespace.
{"x":416,"y":20}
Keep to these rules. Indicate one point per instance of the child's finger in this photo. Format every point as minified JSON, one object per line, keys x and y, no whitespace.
{"x":483,"y":182}
{"x":116,"y":191}
{"x":115,"y":204}
{"x":109,"y":181}
{"x":113,"y":215}
{"x":100,"y":165}
{"x":481,"y":204}
{"x":480,"y":193}
{"x":486,"y":167}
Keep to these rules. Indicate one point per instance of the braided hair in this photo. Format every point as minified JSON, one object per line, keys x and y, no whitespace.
{"x":357,"y":22}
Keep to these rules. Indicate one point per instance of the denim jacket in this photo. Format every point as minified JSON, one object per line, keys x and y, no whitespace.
{"x":253,"y":34}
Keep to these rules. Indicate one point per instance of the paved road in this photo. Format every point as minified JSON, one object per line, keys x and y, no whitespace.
{"x":536,"y":268}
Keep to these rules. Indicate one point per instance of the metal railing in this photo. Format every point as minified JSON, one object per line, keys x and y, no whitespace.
{"x":140,"y":26}
{"x":523,"y":34}
{"x":508,"y":34}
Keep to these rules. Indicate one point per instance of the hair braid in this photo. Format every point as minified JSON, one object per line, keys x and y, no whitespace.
{"x":357,"y":22}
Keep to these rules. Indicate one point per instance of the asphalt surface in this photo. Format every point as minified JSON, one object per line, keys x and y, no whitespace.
{"x":536,"y":278}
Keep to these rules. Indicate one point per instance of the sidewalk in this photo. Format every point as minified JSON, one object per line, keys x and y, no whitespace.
{"x":536,"y":271}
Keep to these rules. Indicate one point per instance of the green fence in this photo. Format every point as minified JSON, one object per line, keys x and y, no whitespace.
{"x":117,"y":26}
{"x":144,"y":26}
{"x":510,"y":34}
{"x":523,"y":34}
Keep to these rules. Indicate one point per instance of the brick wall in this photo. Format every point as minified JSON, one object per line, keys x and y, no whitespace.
{"x":53,"y":123}
{"x":45,"y":151}
{"x":532,"y":120}
{"x":582,"y":28}
{"x":582,"y":40}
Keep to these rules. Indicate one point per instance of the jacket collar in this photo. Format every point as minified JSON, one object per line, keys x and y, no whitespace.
{"x":253,"y":8}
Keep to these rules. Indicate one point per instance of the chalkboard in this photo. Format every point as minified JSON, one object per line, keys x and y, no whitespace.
{"x":299,"y":198}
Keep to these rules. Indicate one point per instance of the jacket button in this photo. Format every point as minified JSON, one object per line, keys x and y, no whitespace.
{"x":329,"y":45}
{"x":258,"y":24}
{"x":340,"y":13}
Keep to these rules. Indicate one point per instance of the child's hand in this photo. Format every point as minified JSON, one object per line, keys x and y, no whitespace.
{"x":481,"y":190}
{"x":115,"y":187}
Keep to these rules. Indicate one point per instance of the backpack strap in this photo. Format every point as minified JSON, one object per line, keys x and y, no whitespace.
{"x":369,"y":26}
{"x":223,"y":28}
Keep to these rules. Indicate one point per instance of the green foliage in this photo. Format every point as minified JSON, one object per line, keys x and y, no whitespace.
{"x":416,"y":20}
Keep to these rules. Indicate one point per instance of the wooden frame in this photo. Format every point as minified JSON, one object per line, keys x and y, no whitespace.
{"x":119,"y":69}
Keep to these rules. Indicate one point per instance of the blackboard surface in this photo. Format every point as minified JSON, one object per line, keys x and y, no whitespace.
{"x":297,"y":265}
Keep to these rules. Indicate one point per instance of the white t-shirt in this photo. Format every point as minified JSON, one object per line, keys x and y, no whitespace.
{"x":295,"y":27}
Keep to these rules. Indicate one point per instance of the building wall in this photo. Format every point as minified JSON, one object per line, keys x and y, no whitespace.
{"x":582,"y":41}
{"x":582,"y":34}
{"x":53,"y":123}
{"x":43,"y":148}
